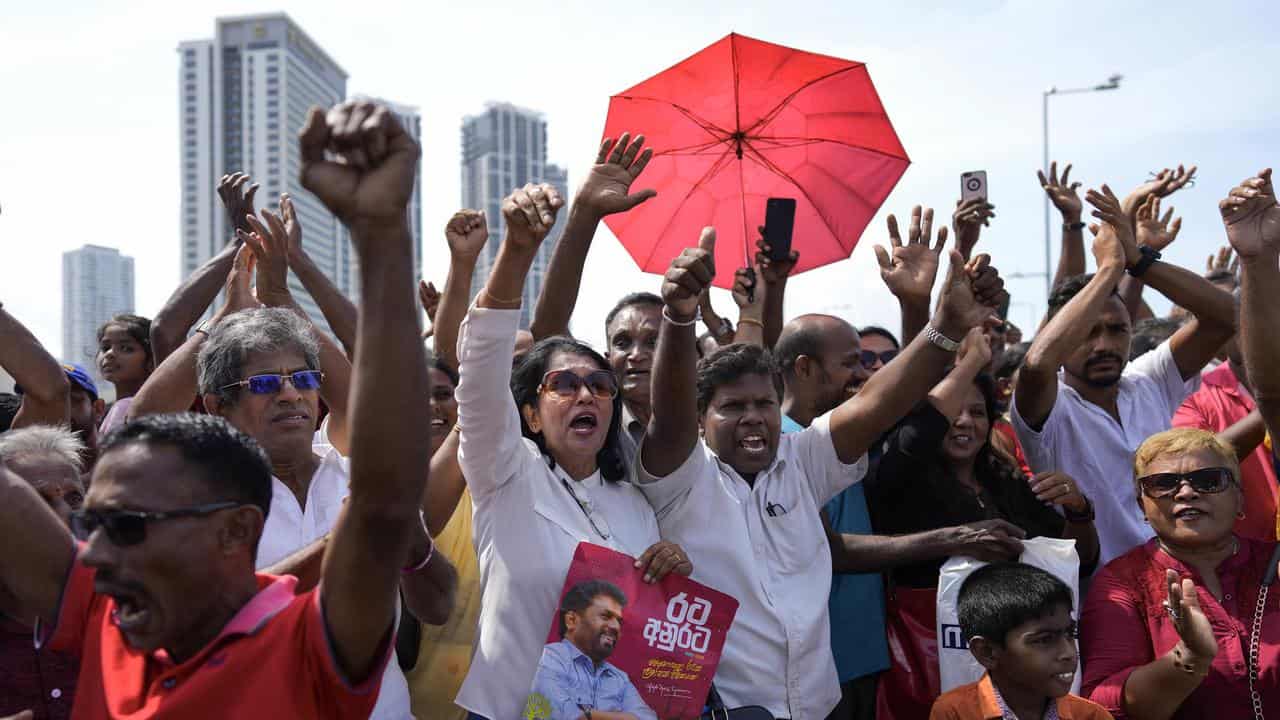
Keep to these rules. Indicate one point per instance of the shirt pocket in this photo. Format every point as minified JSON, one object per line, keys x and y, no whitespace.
{"x":797,"y":539}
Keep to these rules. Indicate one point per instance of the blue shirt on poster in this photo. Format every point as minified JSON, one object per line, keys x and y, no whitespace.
{"x":856,"y":603}
{"x":567,"y":682}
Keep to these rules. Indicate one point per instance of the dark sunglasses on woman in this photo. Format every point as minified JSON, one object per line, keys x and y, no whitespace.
{"x":1205,"y":481}
{"x":272,"y":383}
{"x":567,"y":383}
{"x":129,"y":527}
{"x":869,"y":357}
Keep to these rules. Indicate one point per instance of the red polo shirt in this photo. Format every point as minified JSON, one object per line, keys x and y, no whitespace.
{"x":1124,"y":626}
{"x":1220,"y":403}
{"x":272,"y":660}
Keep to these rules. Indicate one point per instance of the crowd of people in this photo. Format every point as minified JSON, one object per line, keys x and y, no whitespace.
{"x":278,"y":517}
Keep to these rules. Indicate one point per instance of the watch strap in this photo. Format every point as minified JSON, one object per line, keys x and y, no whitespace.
{"x":1149,"y":257}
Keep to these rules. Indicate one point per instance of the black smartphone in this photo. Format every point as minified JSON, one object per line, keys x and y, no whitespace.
{"x":779,"y":223}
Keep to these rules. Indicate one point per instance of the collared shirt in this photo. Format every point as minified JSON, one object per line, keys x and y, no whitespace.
{"x":764,"y":544}
{"x":629,"y":436}
{"x":568,"y":682}
{"x":43,"y":682}
{"x":856,"y":603}
{"x":527,"y":523}
{"x":1085,"y":442}
{"x":272,"y":660}
{"x":291,"y":527}
{"x":1220,"y":403}
{"x":982,"y":701}
{"x":1124,"y":626}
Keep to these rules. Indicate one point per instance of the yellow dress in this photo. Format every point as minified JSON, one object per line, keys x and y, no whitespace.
{"x":444,"y":653}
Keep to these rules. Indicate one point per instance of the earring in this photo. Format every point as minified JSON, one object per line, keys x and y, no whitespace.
{"x":1240,"y":515}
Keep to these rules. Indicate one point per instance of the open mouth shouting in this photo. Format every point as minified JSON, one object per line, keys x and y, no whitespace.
{"x":584,"y":423}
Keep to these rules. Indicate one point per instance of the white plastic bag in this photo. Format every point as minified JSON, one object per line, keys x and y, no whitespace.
{"x":956,"y":664}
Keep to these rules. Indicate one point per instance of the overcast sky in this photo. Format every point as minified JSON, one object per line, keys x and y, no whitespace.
{"x":89,"y":135}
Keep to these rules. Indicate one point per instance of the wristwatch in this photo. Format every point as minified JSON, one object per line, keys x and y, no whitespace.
{"x":942,"y":341}
{"x":204,"y":327}
{"x":1079,"y":225}
{"x":1149,"y":258}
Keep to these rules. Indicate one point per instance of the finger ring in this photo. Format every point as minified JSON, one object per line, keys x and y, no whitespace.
{"x":1174,"y":614}
{"x":1066,"y":489}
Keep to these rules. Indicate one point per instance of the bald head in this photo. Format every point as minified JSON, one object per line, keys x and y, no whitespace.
{"x":819,"y":357}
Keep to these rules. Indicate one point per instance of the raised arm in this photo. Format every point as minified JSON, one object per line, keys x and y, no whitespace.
{"x":1156,"y":233}
{"x":1038,"y":380}
{"x":37,"y":554}
{"x":604,"y":192}
{"x":270,"y":241}
{"x":673,"y":425}
{"x":1252,"y":218}
{"x":774,"y":274}
{"x":194,"y":295}
{"x":361,"y":164}
{"x":967,"y":223}
{"x":1064,"y":196}
{"x":171,"y":387}
{"x":750,"y":307}
{"x":909,"y":269}
{"x":338,"y":311}
{"x":719,"y":327}
{"x":44,"y":384}
{"x":971,"y":293}
{"x":466,"y":234}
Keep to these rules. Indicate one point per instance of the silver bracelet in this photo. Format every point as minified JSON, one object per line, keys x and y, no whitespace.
{"x":942,"y":341}
{"x":696,"y":316}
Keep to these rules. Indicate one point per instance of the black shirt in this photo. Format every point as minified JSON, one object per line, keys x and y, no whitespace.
{"x":913,"y":491}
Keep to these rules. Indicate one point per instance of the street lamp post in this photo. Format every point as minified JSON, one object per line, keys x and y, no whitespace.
{"x":1112,"y":83}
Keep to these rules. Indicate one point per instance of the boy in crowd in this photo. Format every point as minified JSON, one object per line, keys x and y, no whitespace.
{"x":1017,"y":621}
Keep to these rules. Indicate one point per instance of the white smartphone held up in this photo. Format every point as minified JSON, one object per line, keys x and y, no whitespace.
{"x":973,"y":185}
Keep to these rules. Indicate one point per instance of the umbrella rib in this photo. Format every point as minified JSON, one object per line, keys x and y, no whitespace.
{"x":769,"y":165}
{"x":813,"y":141}
{"x":715,"y":168}
{"x":769,"y":116}
{"x":707,"y":125}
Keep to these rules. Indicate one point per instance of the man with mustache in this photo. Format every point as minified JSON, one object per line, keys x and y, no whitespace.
{"x":573,"y":676}
{"x":1079,"y":406}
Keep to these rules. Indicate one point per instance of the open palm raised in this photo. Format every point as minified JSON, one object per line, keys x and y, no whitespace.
{"x":1252,"y":216}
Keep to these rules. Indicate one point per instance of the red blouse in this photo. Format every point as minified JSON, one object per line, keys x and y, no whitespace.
{"x":1125,"y":626}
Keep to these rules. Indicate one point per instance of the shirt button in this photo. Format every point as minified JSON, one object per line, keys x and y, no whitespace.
{"x":168,"y":683}
{"x":55,"y":693}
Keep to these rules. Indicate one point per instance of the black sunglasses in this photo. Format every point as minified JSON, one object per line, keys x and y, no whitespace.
{"x":868,"y":358}
{"x":1205,"y":481}
{"x":272,"y":383}
{"x":129,"y":527}
{"x":567,"y":383}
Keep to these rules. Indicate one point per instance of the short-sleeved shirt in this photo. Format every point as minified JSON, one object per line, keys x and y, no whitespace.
{"x":1124,"y":626}
{"x":291,"y":527}
{"x":911,"y":492}
{"x":1220,"y":403}
{"x":764,"y":544}
{"x":982,"y":701}
{"x":274,"y":659}
{"x":568,"y":681}
{"x":1085,"y":442}
{"x":856,"y":603}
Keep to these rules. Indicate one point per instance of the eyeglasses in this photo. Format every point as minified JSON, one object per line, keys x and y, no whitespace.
{"x":567,"y":383}
{"x":869,"y":357}
{"x":129,"y":527}
{"x":1204,"y":480}
{"x":272,"y":383}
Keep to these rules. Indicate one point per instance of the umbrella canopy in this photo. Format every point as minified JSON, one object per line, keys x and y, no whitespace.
{"x":745,"y":120}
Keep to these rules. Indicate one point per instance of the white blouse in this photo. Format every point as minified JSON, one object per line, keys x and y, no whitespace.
{"x":526,"y":522}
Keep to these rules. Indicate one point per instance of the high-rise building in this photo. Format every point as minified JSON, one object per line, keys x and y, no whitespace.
{"x":244,"y":95}
{"x":502,"y":149}
{"x":97,"y":283}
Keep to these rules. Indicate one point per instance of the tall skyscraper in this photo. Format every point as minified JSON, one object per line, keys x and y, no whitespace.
{"x":244,"y":96}
{"x":97,"y":283}
{"x":502,"y":149}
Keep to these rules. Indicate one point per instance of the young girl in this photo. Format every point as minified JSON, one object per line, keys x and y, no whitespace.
{"x":124,"y":360}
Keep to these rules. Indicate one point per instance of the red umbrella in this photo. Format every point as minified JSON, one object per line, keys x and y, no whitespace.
{"x":745,"y":120}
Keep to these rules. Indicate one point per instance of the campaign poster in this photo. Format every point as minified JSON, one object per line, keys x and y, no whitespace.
{"x":619,"y":645}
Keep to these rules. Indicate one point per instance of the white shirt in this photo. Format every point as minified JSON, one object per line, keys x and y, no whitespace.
{"x":765,"y":546}
{"x":290,"y":528}
{"x":1084,"y":441}
{"x":527,"y":525}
